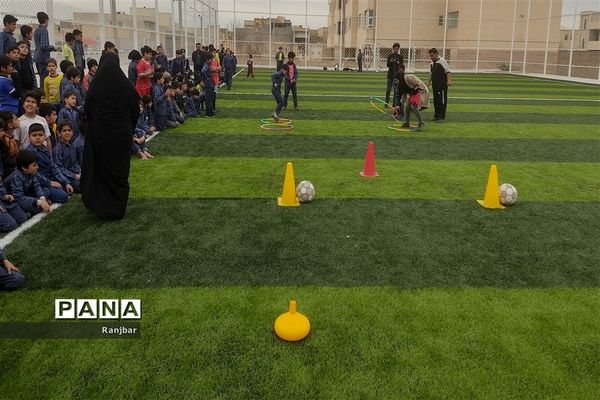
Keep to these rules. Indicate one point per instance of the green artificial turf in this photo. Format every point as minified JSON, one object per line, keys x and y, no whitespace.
{"x":409,"y":244}
{"x":410,"y":147}
{"x":367,"y":343}
{"x":413,"y":289}
{"x":220,"y":177}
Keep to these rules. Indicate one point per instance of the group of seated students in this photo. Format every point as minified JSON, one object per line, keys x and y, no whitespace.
{"x":42,"y":132}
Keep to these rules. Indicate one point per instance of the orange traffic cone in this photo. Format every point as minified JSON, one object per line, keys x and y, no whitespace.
{"x":491,"y":199}
{"x":288,"y":196}
{"x":369,"y":169}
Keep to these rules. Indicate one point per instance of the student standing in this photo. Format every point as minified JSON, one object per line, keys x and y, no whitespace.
{"x":229,"y":67}
{"x":26,"y":71}
{"x":276,"y":80}
{"x":145,"y":71}
{"x":7,"y":36}
{"x":439,"y":80}
{"x":52,"y":83}
{"x":209,"y":86}
{"x":42,"y":46}
{"x":250,"y":65}
{"x":291,"y":77}
{"x":78,"y":52}
{"x":68,"y":47}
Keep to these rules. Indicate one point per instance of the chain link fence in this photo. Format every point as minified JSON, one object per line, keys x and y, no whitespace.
{"x":545,"y":37}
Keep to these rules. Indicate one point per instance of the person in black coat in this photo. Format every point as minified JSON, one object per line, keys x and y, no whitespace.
{"x":394,"y":61}
{"x":112,"y":108}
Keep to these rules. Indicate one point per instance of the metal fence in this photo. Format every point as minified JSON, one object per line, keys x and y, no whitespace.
{"x":546,"y":37}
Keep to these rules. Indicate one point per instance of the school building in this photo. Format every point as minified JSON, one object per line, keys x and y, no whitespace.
{"x":461,"y":27}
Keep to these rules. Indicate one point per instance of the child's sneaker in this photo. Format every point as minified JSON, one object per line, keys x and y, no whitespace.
{"x":406,"y":125}
{"x":275,"y":116}
{"x":421,"y":127}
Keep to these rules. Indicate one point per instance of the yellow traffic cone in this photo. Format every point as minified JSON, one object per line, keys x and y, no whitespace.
{"x":491,"y":198}
{"x":292,"y":325}
{"x":288,"y":197}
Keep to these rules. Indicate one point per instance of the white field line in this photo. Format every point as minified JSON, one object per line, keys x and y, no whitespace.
{"x":450,"y":97}
{"x":237,"y":73}
{"x":11,"y":236}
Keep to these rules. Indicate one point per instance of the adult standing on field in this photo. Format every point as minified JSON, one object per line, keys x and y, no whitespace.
{"x":112,"y":107}
{"x":359,"y":60}
{"x":439,"y":80}
{"x":394,"y":61}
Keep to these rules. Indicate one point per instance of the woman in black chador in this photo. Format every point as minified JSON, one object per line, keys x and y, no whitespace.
{"x":112,"y":110}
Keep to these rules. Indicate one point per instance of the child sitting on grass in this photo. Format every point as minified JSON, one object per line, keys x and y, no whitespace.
{"x":48,"y":173}
{"x":65,"y":155}
{"x":79,"y":141}
{"x":139,"y":145}
{"x":9,"y":146}
{"x":25,"y":186}
{"x":146,"y":117}
{"x":11,"y":215}
{"x":10,"y":276}
{"x":48,"y":111}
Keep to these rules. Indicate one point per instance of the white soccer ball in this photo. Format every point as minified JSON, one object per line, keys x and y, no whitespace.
{"x":305,"y":192}
{"x":508,"y":194}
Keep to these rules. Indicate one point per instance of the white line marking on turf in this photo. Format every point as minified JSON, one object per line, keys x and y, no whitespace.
{"x":450,"y":97}
{"x":223,"y":84}
{"x":11,"y":236}
{"x":239,"y":72}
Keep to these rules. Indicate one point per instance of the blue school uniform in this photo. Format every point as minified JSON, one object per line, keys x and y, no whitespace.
{"x":7,"y":90}
{"x":276,"y":80}
{"x":71,"y":87}
{"x":27,"y":189}
{"x":72,"y":115}
{"x":48,"y":170}
{"x":78,"y":143}
{"x":65,"y":157}
{"x":11,"y":214}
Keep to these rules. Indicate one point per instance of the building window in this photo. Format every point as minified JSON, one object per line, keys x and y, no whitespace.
{"x":583,"y":43}
{"x":453,"y":19}
{"x":441,"y":20}
{"x":347,"y":24}
{"x":370,"y":18}
{"x":567,"y":36}
{"x":584,"y":24}
{"x":339,"y":28}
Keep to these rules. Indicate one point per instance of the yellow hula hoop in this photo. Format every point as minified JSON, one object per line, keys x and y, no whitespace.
{"x":282,"y":124}
{"x":276,"y":127}
{"x":399,"y":128}
{"x":380,"y":109}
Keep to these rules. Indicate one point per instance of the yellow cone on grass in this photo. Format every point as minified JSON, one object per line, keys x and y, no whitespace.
{"x":288,"y":196}
{"x":491,"y":198}
{"x":292,"y":325}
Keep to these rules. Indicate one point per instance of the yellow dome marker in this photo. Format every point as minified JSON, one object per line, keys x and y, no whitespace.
{"x":292,"y":325}
{"x":491,"y":199}
{"x":288,"y":196}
